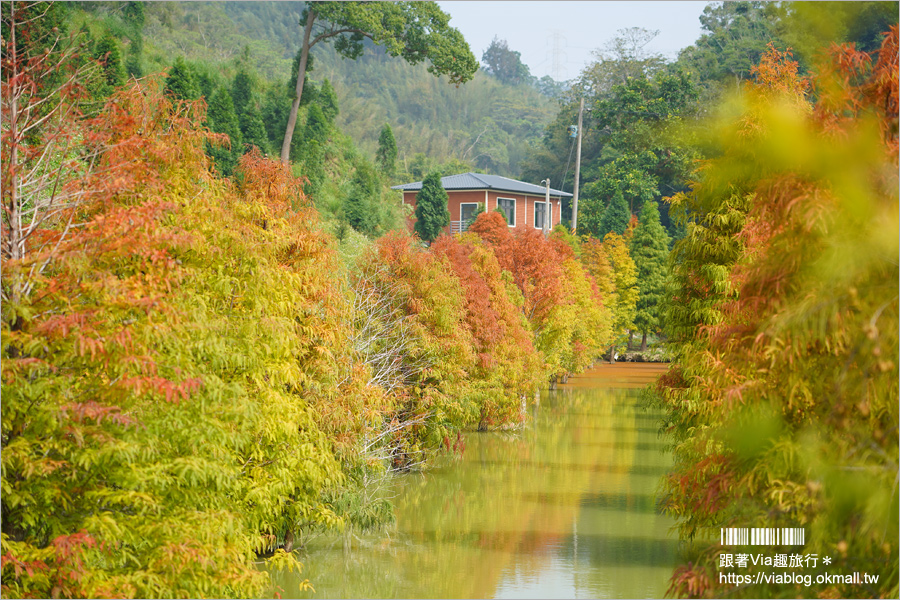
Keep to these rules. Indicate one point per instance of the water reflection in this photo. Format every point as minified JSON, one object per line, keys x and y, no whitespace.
{"x":563,"y":509}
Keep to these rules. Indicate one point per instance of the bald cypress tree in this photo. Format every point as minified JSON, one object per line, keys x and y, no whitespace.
{"x":650,"y":252}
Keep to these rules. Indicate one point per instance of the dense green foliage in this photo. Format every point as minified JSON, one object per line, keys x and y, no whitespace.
{"x":364,"y":202}
{"x":386,"y":156}
{"x":650,"y":251}
{"x":180,"y":82}
{"x":615,"y":218}
{"x":432,"y":214}
{"x":221,"y":119}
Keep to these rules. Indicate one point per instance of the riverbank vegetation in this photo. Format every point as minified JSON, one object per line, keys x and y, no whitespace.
{"x":196,"y":372}
{"x":209,"y":355}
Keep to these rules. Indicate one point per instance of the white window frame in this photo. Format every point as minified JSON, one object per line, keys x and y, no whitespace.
{"x":461,"y":204}
{"x":546,"y":207}
{"x":514,"y":207}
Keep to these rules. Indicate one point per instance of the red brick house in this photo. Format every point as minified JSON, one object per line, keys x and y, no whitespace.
{"x":522,"y":203}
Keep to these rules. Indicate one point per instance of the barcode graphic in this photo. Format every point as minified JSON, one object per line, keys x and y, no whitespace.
{"x":763,"y":536}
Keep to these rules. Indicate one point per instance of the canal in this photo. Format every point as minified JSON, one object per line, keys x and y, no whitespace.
{"x":564,"y":508}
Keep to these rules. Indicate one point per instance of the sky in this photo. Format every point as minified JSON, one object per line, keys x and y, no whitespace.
{"x":561,"y":36}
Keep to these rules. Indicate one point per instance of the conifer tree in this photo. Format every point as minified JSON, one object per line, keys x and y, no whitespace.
{"x":616,"y":216}
{"x":253,"y":130}
{"x":650,"y":252}
{"x":327,"y":99}
{"x":180,"y":83}
{"x":386,"y":157}
{"x":241,"y":92}
{"x":221,"y":119}
{"x":361,"y":207}
{"x":315,"y":136}
{"x":134,"y":17}
{"x":432,"y":214}
{"x":108,"y":53}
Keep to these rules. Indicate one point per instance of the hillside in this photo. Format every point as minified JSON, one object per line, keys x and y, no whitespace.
{"x":484,"y":123}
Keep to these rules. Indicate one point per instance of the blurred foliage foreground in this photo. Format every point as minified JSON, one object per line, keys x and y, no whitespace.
{"x":783,"y":404}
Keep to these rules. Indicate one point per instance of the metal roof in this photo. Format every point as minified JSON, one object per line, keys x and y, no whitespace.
{"x":480,"y":181}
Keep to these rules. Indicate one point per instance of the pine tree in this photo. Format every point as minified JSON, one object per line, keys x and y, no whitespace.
{"x":650,"y":252}
{"x":221,"y":119}
{"x":180,"y":83}
{"x":432,"y":214}
{"x":386,"y":157}
{"x":616,"y":216}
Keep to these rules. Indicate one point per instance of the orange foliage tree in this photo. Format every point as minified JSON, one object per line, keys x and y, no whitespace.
{"x":507,"y":367}
{"x":559,"y":298}
{"x":177,"y":386}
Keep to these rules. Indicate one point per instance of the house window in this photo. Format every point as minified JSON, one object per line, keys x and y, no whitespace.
{"x":508,"y":206}
{"x":539,"y":208}
{"x":467,"y":212}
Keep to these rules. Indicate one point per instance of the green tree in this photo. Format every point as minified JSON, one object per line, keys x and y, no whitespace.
{"x":361,"y":208}
{"x":650,"y":252}
{"x":616,"y":216}
{"x":134,"y":17}
{"x":253,"y":130}
{"x":241,"y":91}
{"x":221,"y":119}
{"x":274,"y":113}
{"x":414,"y":30}
{"x":315,"y":137}
{"x":432,"y":214}
{"x":180,"y":82}
{"x":642,"y":154}
{"x":109,"y":54}
{"x":386,"y":157}
{"x":505,"y":64}
{"x":327,"y":99}
{"x":736,"y":37}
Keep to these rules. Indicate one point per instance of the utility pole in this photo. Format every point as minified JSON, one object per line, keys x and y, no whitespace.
{"x":577,"y":171}
{"x":546,"y":227}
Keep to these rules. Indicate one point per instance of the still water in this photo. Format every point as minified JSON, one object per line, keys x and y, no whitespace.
{"x":564,"y":508}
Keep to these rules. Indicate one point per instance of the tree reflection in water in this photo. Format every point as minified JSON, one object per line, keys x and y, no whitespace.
{"x":565,"y":507}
